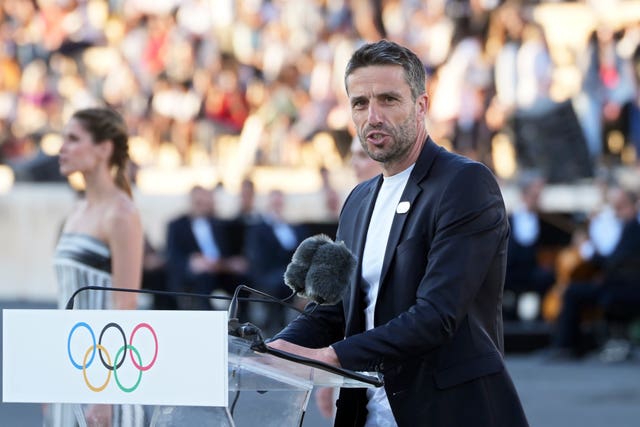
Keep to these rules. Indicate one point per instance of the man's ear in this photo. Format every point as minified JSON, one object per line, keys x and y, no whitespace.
{"x":422,"y":105}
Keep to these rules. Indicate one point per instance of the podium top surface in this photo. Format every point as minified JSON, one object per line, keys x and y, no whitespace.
{"x":249,"y":369}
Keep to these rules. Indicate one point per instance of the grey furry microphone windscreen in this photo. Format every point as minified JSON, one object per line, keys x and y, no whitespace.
{"x":320,"y":270}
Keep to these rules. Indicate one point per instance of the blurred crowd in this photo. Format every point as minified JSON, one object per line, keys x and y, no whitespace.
{"x":264,"y":79}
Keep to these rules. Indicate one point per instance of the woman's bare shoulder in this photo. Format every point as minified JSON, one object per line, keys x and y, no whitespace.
{"x":121,"y":211}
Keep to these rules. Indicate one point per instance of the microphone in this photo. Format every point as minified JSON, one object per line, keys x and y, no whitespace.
{"x":320,"y":270}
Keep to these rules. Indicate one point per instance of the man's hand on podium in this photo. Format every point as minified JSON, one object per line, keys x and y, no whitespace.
{"x":325,"y":355}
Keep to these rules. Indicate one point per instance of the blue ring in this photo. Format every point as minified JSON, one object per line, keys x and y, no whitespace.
{"x":93,"y":337}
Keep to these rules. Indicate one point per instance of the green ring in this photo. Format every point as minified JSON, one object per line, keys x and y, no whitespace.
{"x":115,"y":370}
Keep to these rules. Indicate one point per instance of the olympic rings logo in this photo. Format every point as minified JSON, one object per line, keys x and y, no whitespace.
{"x":119,"y":358}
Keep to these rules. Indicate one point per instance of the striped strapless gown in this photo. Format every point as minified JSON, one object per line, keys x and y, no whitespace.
{"x":82,"y":260}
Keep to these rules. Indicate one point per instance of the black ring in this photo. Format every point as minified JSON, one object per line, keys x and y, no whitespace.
{"x":124,"y":338}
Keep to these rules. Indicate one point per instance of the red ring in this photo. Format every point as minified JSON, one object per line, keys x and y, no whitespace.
{"x":155,"y":355}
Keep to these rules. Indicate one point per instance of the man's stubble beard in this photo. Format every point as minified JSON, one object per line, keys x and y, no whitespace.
{"x":404,"y":137}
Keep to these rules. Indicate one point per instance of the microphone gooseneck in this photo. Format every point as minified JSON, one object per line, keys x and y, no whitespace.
{"x":248,"y":330}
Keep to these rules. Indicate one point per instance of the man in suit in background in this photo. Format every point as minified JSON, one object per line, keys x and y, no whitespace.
{"x":616,"y":287}
{"x":269,"y":245}
{"x":430,"y":236}
{"x":201,"y":254}
{"x":525,"y":273}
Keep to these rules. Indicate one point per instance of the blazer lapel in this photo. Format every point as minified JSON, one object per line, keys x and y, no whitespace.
{"x":411,"y":192}
{"x":363,"y":217}
{"x":409,"y":195}
{"x":355,"y":314}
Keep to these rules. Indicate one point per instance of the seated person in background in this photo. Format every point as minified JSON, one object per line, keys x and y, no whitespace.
{"x":247,"y":212}
{"x":602,"y":229}
{"x":201,"y":254}
{"x":617,"y":284}
{"x":154,"y":277}
{"x":525,"y":274}
{"x":269,"y":245}
{"x":605,"y":228}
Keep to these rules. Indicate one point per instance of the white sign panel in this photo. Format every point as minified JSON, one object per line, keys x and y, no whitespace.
{"x":115,"y":356}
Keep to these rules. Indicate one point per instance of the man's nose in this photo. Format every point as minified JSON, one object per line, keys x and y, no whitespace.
{"x":375,"y":114}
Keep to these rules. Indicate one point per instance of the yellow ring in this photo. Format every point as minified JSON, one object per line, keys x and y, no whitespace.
{"x":84,"y":368}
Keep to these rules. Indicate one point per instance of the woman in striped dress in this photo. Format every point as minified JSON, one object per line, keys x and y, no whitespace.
{"x":102,"y":239}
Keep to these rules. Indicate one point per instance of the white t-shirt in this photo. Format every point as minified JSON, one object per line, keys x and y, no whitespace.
{"x":384,"y":211}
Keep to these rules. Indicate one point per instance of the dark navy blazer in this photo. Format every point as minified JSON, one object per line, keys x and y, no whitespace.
{"x":438,"y":335}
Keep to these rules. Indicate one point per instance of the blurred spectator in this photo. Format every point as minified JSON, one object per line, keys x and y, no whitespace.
{"x":36,"y":98}
{"x":154,"y":277}
{"x":603,"y":104}
{"x":526,"y":277}
{"x":225,"y":103}
{"x":546,"y":131}
{"x":523,"y":76}
{"x":177,"y":105}
{"x":634,"y":120}
{"x":459,"y":96}
{"x":270,"y":244}
{"x":603,"y":229}
{"x":616,"y":286}
{"x":431,"y":33}
{"x":505,"y":33}
{"x":367,"y":19}
{"x":36,"y":166}
{"x":247,"y":213}
{"x":200,"y":252}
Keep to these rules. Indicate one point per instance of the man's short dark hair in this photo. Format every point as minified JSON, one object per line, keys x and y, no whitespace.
{"x":385,"y":52}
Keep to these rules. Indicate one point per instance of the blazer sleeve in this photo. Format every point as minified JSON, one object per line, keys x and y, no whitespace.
{"x":315,"y":328}
{"x":470,"y":229}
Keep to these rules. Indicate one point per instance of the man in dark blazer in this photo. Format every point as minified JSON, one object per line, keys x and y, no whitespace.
{"x":533,"y":233}
{"x":202,"y":255}
{"x":269,"y":245}
{"x":428,"y":314}
{"x":270,"y":242}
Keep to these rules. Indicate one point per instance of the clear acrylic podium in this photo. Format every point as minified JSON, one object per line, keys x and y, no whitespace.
{"x":265,"y":387}
{"x":264,"y":390}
